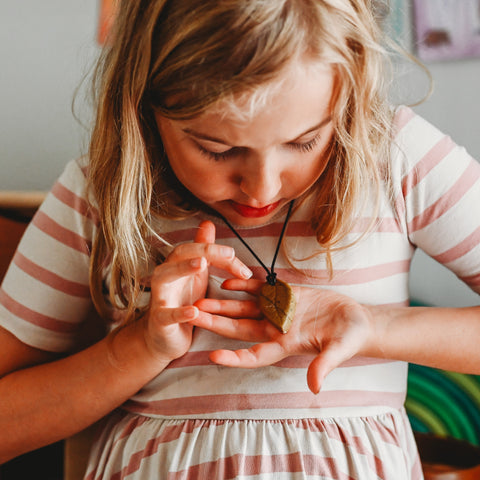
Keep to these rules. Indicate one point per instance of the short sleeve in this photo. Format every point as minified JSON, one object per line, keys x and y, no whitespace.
{"x":440,"y":196}
{"x":45,"y":294}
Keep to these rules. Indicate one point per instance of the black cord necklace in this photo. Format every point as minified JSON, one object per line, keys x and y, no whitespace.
{"x":277,"y":300}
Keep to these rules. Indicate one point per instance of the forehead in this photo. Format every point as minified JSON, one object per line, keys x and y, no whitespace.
{"x":295,"y":101}
{"x":294,"y":77}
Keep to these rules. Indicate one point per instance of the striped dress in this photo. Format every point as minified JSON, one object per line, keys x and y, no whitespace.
{"x":200,"y":420}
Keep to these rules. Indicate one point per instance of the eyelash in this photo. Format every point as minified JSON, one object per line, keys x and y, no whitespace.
{"x":305,"y":147}
{"x":302,"y":147}
{"x":217,"y":156}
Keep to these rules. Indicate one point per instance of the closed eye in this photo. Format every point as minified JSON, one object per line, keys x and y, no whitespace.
{"x":304,"y":146}
{"x":231,"y":152}
{"x":218,"y":156}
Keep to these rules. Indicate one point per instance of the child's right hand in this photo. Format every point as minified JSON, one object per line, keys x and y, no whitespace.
{"x":177,"y":284}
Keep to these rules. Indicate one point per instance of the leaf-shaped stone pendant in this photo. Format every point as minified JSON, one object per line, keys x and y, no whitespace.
{"x":277,"y":303}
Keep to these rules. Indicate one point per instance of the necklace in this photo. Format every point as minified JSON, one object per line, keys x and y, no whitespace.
{"x":277,"y":301}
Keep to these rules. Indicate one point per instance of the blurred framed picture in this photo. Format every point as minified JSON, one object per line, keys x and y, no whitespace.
{"x":447,"y":29}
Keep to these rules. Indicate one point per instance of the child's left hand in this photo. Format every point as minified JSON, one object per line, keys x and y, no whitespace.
{"x":328,"y":325}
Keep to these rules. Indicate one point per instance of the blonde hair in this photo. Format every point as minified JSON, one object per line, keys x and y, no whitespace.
{"x":183,"y":57}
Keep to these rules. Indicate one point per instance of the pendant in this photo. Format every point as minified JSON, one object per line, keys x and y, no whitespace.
{"x":277,"y":303}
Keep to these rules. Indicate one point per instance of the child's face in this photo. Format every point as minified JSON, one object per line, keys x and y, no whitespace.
{"x":247,"y":170}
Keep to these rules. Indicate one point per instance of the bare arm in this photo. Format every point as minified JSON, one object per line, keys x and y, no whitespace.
{"x":45,"y":403}
{"x":446,"y":338}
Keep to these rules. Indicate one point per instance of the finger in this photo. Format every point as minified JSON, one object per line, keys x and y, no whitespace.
{"x":230,"y":308}
{"x":246,"y":330}
{"x":171,"y":271}
{"x":203,"y":249}
{"x":221,"y":256}
{"x":260,"y":355}
{"x":205,"y":233}
{"x":170,"y":316}
{"x":252,"y":285}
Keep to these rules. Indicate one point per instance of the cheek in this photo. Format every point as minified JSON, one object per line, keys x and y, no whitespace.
{"x":186,"y":166}
{"x":319,"y":162}
{"x":204,"y":178}
{"x":311,"y":170}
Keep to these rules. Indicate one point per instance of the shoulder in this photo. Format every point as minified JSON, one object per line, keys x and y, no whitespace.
{"x":412,"y":130}
{"x":419,"y":147}
{"x":432,"y":175}
{"x":71,"y":191}
{"x":74,"y":176}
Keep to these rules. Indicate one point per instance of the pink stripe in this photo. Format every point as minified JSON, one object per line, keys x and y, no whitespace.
{"x":388,"y":436}
{"x":51,"y":279}
{"x":432,"y":158}
{"x":295,"y":228}
{"x":35,"y":318}
{"x":448,"y":200}
{"x":470,"y":242}
{"x":200,"y":358}
{"x":56,"y":231}
{"x":340,"y":277}
{"x":132,"y":425}
{"x":255,"y":465}
{"x":205,"y":404}
{"x":75,"y":202}
{"x":472,"y":280}
{"x":355,"y":443}
{"x":400,"y":207}
{"x":417,"y":469}
{"x":191,"y":359}
{"x":402,"y":117}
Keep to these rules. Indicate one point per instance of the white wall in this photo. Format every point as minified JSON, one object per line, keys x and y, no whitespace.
{"x":47,"y":47}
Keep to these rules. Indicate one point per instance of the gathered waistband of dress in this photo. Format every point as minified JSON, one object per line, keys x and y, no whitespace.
{"x":289,"y":408}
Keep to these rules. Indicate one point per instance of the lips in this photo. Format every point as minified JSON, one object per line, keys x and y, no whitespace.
{"x":253,"y":212}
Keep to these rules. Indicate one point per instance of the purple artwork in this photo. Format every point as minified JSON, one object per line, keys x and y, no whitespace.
{"x":447,"y":29}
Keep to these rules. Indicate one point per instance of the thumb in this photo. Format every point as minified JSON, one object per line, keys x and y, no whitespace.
{"x":205,"y":233}
{"x":328,"y":359}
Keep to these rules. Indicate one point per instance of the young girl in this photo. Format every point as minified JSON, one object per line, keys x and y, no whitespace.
{"x":225,"y":129}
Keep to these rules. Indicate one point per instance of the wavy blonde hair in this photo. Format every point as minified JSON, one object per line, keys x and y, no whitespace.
{"x":183,"y":57}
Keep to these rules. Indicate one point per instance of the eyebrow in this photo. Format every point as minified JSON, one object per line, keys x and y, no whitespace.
{"x":203,"y":136}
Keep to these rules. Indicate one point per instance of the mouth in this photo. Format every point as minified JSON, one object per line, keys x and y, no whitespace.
{"x":253,"y":212}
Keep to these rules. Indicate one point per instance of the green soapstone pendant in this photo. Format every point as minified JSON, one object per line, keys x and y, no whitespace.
{"x":277,"y":303}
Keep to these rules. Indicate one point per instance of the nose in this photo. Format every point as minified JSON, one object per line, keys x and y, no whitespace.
{"x":261,"y":179}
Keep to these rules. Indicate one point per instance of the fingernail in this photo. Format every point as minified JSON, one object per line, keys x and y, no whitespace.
{"x":227,"y":252}
{"x":190,"y":312}
{"x":246,"y":272}
{"x":195,"y":262}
